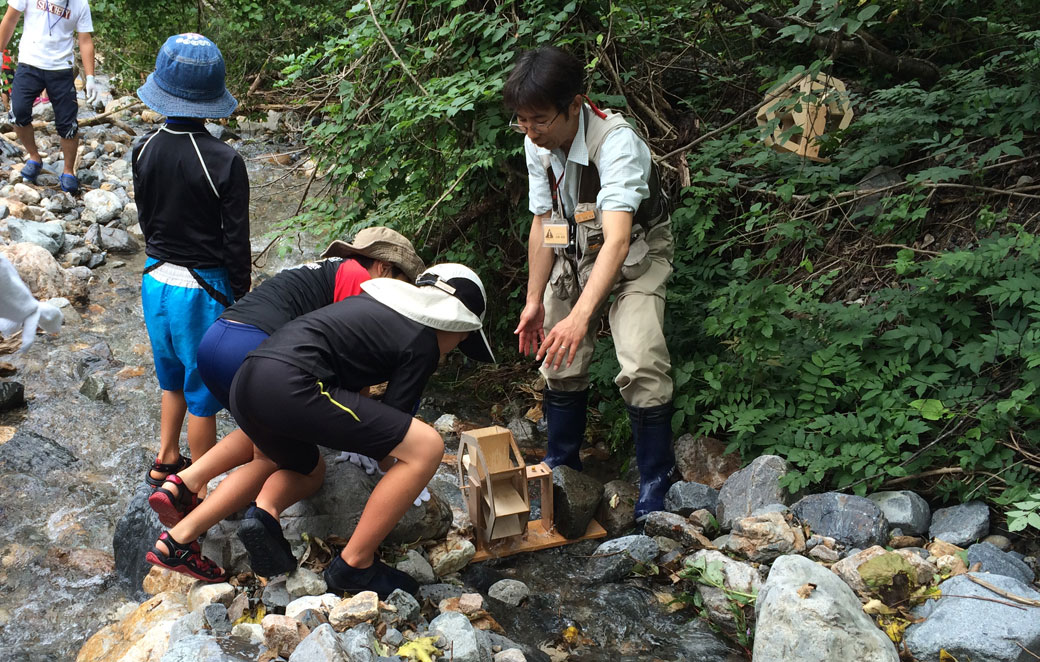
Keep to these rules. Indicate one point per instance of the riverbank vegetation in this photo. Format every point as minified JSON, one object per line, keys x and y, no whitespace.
{"x":875,"y":319}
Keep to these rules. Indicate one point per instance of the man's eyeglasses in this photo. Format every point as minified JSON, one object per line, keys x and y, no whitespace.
{"x":538,"y":127}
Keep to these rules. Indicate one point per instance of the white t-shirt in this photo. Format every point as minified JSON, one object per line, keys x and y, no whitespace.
{"x":47,"y":31}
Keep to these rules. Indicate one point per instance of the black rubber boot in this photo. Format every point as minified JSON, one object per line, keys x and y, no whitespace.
{"x":652,"y":433}
{"x":565,"y":415}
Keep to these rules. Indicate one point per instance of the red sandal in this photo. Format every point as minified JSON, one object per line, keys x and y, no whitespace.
{"x":181,"y":464}
{"x":171,"y":508}
{"x":186,"y":559}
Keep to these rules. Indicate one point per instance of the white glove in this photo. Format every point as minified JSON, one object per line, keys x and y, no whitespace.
{"x":91,"y":91}
{"x":20,"y":310}
{"x":372,"y":467}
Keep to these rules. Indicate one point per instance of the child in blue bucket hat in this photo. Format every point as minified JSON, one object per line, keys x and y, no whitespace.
{"x":192,"y":193}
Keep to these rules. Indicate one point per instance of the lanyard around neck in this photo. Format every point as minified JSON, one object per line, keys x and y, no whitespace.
{"x":60,"y":15}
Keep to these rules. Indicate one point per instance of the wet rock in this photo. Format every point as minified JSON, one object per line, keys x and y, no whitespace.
{"x":765,"y":537}
{"x":416,"y":565}
{"x":145,"y":632}
{"x":704,"y":460}
{"x":322,"y":644}
{"x":360,"y":608}
{"x":451,"y":555}
{"x":275,"y":594}
{"x":113,"y":240}
{"x":575,"y":498}
{"x":685,"y":497}
{"x":510,"y":591}
{"x":960,"y":525}
{"x":282,"y":634}
{"x":217,"y":618}
{"x":94,"y":387}
{"x":136,"y":531}
{"x":828,"y":624}
{"x":50,"y":236}
{"x":853,"y":521}
{"x":104,"y":205}
{"x":42,"y":273}
{"x":676,"y":527}
{"x":734,"y":576}
{"x":200,"y":648}
{"x":12,"y":396}
{"x":754,"y":486}
{"x":997,"y":562}
{"x":460,"y":635}
{"x":971,"y":629}
{"x":697,"y":642}
{"x":304,"y":582}
{"x":614,"y":560}
{"x":28,"y":452}
{"x":406,"y":608}
{"x":435,"y":593}
{"x":616,"y":511}
{"x":905,"y":510}
{"x":848,"y":567}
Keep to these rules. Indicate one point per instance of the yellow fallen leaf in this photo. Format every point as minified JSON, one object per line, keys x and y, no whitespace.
{"x":571,"y":635}
{"x":615,"y":499}
{"x":252,"y":617}
{"x":896,"y":628}
{"x":876,"y":606}
{"x":421,"y":649}
{"x":946,"y":657}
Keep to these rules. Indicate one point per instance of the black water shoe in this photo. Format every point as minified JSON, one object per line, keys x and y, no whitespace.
{"x":269,"y":551}
{"x":379,"y":577}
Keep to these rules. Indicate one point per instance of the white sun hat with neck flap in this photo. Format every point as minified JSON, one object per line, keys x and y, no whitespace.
{"x":447,"y":297}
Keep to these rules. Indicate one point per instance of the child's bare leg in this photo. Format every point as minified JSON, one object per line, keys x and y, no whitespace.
{"x":234,"y":493}
{"x":285,"y":487}
{"x":417,"y":455}
{"x":171,"y":419}
{"x":233,"y":450}
{"x":202,"y":434}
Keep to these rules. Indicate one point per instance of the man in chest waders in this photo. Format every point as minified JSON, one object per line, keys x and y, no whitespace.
{"x":600,"y":228}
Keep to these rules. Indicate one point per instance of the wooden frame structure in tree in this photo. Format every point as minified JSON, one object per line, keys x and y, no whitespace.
{"x":818,"y":105}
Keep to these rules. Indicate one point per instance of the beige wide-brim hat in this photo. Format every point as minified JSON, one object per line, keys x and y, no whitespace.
{"x":380,"y":243}
{"x":448,"y":297}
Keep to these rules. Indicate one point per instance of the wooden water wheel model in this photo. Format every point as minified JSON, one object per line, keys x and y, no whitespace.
{"x":818,"y":105}
{"x":494,"y":481}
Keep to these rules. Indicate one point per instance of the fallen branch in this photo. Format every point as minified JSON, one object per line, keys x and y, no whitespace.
{"x":1010,"y":596}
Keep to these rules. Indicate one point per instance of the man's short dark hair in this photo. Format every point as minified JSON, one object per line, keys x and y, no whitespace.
{"x":543,"y":77}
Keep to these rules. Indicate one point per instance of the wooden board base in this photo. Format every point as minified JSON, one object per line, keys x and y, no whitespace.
{"x":534,"y":539}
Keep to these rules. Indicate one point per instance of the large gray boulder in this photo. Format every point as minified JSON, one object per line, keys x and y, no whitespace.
{"x":994,"y":561}
{"x":960,"y":525}
{"x":460,"y":635}
{"x":685,"y":497}
{"x":754,"y":486}
{"x":851,"y":520}
{"x":828,"y":623}
{"x":614,"y":559}
{"x":575,"y":498}
{"x":970,"y":629}
{"x":49,"y":235}
{"x":735,"y":576}
{"x":904,"y":510}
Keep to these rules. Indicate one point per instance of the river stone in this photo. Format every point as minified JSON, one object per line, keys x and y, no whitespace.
{"x":416,"y":565}
{"x":756,"y":485}
{"x":676,"y":527}
{"x":26,"y":194}
{"x":685,"y":497}
{"x":904,"y":510}
{"x":829,"y":624}
{"x":575,"y":498}
{"x":321,"y":603}
{"x":136,"y":531}
{"x":406,"y":608}
{"x":30,"y":453}
{"x":848,"y":567}
{"x":59,"y":203}
{"x":321,"y":645}
{"x":359,"y":641}
{"x":282,"y":634}
{"x":510,"y":591}
{"x":509,"y":655}
{"x":41,"y":272}
{"x":251,"y":633}
{"x":144,"y":633}
{"x":217,"y":618}
{"x":276,"y":594}
{"x":50,"y":236}
{"x":523,"y":430}
{"x":999,"y":563}
{"x":436,"y":593}
{"x":704,"y":460}
{"x":451,"y":555}
{"x":1003,"y":543}
{"x":962,"y":524}
{"x":764,"y":537}
{"x":736,"y":576}
{"x":617,"y":508}
{"x":695,"y":641}
{"x":202,"y":594}
{"x":976,"y":629}
{"x":460,"y":635}
{"x":12,"y":396}
{"x":360,"y":608}
{"x":304,"y":582}
{"x":105,"y":205}
{"x":614,"y":559}
{"x":94,"y":387}
{"x":198,"y":648}
{"x":188,"y":625}
{"x":853,"y":521}
{"x":113,"y":240}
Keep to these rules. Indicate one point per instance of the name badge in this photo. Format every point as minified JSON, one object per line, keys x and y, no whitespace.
{"x":555,"y":235}
{"x":585,"y":216}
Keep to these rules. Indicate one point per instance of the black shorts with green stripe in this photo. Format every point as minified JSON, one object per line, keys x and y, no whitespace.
{"x":288,"y":413}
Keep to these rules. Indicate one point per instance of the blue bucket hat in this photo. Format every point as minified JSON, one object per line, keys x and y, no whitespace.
{"x":188,"y":80}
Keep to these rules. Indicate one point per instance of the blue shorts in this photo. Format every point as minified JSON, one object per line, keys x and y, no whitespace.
{"x":29,"y":81}
{"x":221,"y":352}
{"x":177,"y":312}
